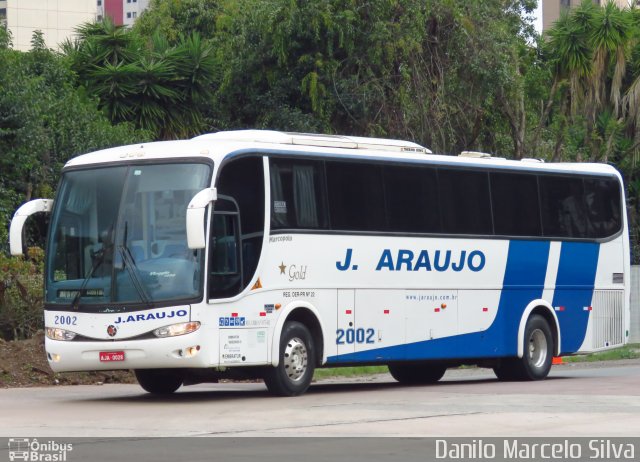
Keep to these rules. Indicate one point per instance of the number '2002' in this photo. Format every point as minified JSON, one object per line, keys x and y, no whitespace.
{"x":349,"y":336}
{"x":65,"y":320}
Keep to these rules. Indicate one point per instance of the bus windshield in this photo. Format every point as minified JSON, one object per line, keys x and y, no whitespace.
{"x":119,"y":236}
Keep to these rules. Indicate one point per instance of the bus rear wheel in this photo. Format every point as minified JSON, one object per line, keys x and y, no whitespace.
{"x":159,"y":381}
{"x":535,"y":363}
{"x":417,"y":374}
{"x":292,"y":376}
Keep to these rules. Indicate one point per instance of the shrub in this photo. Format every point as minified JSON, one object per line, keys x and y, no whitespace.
{"x":21,"y":294}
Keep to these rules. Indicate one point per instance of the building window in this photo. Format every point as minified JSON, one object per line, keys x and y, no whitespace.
{"x":99,"y":2}
{"x":99,"y":17}
{"x":129,"y":15}
{"x":134,"y":14}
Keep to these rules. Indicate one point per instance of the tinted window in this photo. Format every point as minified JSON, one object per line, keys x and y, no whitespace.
{"x":356,"y":199}
{"x":411,"y":199}
{"x":225,"y":273}
{"x":419,"y":199}
{"x":243,"y":181}
{"x":563,"y":207}
{"x":602,"y":199}
{"x":464,"y":200}
{"x":297,"y":194}
{"x":516,"y":210}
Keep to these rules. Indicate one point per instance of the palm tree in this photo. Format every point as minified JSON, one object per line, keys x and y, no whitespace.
{"x":161,"y":88}
{"x":589,"y":48}
{"x":609,"y":37}
{"x":568,"y":52}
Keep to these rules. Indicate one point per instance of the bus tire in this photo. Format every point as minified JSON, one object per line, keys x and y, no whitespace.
{"x":292,"y":376}
{"x":159,"y":381}
{"x":535,"y":363}
{"x":417,"y":374}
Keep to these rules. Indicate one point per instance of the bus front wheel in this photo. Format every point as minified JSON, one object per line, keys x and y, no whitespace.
{"x":416,"y":374}
{"x":535,"y":363}
{"x":159,"y":381}
{"x":292,"y":376}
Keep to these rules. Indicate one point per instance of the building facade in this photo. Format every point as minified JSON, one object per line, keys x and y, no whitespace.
{"x":551,"y":9}
{"x":122,"y":12}
{"x":57,"y":19}
{"x":3,"y":13}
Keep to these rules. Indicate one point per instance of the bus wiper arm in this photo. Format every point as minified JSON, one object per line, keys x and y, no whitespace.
{"x":100,"y":254}
{"x":132,"y":268}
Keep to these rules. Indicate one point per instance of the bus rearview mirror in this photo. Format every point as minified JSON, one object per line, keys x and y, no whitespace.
{"x":20,"y":217}
{"x":195,"y":217}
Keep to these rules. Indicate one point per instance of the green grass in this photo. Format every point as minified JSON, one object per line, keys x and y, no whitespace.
{"x":348,"y":371}
{"x":631,"y":351}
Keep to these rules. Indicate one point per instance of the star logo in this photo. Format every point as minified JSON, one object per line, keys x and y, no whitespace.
{"x":282,"y":267}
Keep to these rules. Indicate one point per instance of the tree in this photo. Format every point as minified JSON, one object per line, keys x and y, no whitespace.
{"x":173,"y":18}
{"x":159,"y":87}
{"x":430,"y":71}
{"x":44,"y":121}
{"x":588,"y":49}
{"x":595,"y":59}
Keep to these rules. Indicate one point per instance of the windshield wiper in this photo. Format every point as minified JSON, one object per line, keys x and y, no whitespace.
{"x":100,"y":254}
{"x":98,"y":259}
{"x":130,"y":263}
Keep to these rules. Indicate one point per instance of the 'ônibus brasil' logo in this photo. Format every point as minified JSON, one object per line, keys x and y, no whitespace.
{"x":408,"y":260}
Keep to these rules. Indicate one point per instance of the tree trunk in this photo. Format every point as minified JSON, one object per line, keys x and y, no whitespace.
{"x":545,"y":113}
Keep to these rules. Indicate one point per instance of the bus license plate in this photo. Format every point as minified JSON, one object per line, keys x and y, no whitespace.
{"x":108,"y":356}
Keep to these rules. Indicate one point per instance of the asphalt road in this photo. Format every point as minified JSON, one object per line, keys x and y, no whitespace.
{"x":600,"y":399}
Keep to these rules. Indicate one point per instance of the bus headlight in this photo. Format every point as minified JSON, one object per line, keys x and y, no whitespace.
{"x":177,"y":329}
{"x":55,"y":333}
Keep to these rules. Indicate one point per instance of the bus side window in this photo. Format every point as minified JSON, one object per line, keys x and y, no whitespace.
{"x":297,"y":194}
{"x":356,"y":196}
{"x":225,"y":271}
{"x":602,"y":197}
{"x":411,"y":195}
{"x":564,"y":213}
{"x":465,"y":201}
{"x":241,"y":187}
{"x":514,"y":199}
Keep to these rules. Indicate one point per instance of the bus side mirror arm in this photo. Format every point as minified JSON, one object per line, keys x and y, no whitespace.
{"x":195,"y":217}
{"x":20,"y":217}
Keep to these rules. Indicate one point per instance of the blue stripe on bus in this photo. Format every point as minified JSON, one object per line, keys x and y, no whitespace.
{"x":574,"y":291}
{"x":523,"y":281}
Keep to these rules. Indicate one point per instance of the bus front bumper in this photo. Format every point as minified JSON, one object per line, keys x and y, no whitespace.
{"x":174,"y":352}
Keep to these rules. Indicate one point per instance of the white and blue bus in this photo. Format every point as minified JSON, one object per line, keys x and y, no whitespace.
{"x":268,"y":254}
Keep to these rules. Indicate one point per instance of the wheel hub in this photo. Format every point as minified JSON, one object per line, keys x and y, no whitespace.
{"x":295,"y":359}
{"x":538,"y":348}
